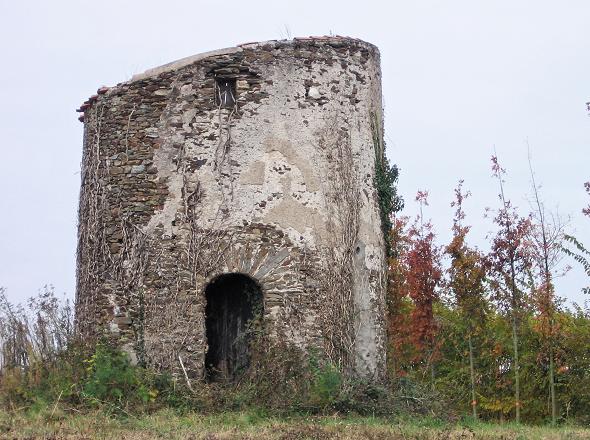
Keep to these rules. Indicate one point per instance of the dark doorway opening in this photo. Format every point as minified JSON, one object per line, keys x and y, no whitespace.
{"x":234,"y":304}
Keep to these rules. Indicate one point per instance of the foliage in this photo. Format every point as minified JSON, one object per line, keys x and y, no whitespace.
{"x":580,"y":254}
{"x":282,"y":379}
{"x":326,"y":383}
{"x":414,"y":277}
{"x":422,"y":280}
{"x":497,"y":302}
{"x":38,"y":352}
{"x":386,"y":176}
{"x":35,"y":333}
{"x":510,"y":264}
{"x":390,"y":202}
{"x":399,"y":306}
{"x":466,"y":280}
{"x":493,"y":365}
{"x":509,"y":259}
{"x":112,"y":378}
{"x":493,"y":304}
{"x":467,"y":271}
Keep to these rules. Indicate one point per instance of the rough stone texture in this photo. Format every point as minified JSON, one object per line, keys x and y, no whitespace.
{"x":176,"y":191}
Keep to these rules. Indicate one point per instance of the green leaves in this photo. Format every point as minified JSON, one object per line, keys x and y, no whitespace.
{"x":386,"y":176}
{"x":112,"y":378}
{"x":582,"y":256}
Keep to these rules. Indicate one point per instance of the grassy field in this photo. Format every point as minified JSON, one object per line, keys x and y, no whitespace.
{"x":59,"y":424}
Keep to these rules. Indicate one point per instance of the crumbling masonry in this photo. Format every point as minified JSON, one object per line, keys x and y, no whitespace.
{"x":253,"y":168}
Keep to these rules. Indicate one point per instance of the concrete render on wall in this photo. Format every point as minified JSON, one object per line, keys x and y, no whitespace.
{"x":176,"y":191}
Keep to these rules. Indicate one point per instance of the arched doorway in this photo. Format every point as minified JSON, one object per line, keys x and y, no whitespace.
{"x":234,"y":300}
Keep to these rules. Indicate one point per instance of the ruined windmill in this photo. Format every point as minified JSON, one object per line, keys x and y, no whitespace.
{"x":235,"y":185}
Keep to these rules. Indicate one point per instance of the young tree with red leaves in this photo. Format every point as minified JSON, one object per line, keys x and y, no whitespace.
{"x":509,"y":263}
{"x":467,"y":273}
{"x":422,"y":280}
{"x":398,"y":304}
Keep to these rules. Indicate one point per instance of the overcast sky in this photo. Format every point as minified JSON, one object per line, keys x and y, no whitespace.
{"x":459,"y":78}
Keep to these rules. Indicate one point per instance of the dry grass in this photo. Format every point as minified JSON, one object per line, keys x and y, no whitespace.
{"x":60,"y":423}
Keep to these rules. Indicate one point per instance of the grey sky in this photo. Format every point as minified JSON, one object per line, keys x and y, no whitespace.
{"x":458,"y":78}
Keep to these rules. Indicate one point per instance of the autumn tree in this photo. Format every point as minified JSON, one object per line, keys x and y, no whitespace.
{"x":509,"y":263}
{"x":422,"y":280}
{"x":546,"y":237}
{"x":466,"y":274}
{"x":400,"y":350}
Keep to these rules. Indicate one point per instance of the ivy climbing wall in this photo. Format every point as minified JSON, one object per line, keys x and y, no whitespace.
{"x":179,"y":187}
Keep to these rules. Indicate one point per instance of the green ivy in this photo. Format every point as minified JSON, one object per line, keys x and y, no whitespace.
{"x":386,"y":176}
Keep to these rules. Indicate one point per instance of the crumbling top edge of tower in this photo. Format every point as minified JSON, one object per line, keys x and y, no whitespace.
{"x":331,"y":40}
{"x":174,"y":65}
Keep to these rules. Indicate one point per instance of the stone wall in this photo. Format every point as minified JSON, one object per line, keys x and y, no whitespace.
{"x":177,"y":190}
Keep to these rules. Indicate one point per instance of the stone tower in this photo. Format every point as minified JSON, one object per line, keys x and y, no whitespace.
{"x":233,"y":184}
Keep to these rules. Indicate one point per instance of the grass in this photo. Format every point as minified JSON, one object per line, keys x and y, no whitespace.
{"x":63,"y":423}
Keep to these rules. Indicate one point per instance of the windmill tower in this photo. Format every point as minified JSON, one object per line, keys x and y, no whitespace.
{"x":231,"y":185}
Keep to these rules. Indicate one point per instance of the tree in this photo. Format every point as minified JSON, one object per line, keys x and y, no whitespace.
{"x":422,"y":280}
{"x":467,"y":273}
{"x":546,"y":243}
{"x":509,"y":262}
{"x":398,"y":303}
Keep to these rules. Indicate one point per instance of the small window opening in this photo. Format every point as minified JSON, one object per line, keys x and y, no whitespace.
{"x":225,"y":95}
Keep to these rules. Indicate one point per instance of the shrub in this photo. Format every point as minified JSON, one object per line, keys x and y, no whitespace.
{"x":111,"y":378}
{"x":326,"y":383}
{"x":36,"y":363}
{"x":43,"y":365}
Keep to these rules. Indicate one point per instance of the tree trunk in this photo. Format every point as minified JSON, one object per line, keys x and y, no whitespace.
{"x":516,"y":369}
{"x":548,"y":294}
{"x":432,"y":375}
{"x":472,"y":374}
{"x":552,"y":387}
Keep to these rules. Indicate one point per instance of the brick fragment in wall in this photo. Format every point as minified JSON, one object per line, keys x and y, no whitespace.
{"x":177,"y":191}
